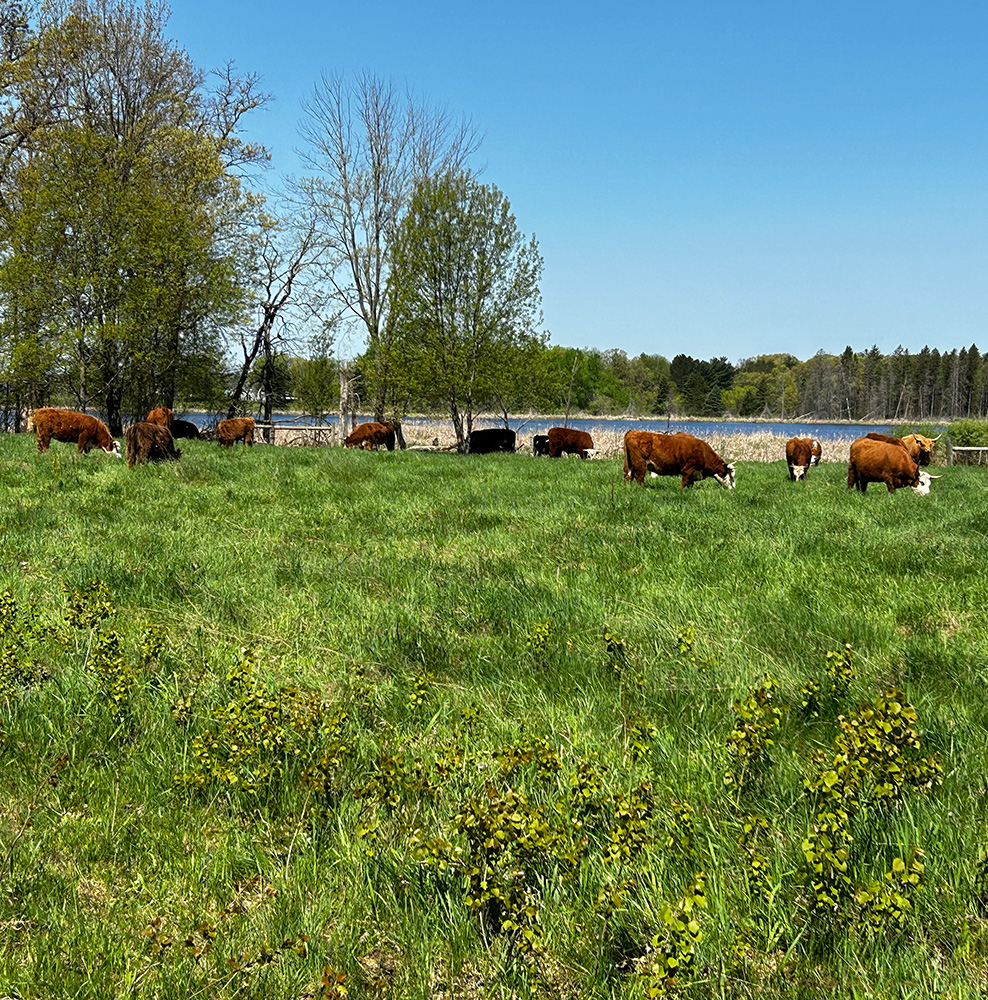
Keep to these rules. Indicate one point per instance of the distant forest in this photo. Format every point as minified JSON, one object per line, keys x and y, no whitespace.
{"x":862,"y":385}
{"x":865,"y":385}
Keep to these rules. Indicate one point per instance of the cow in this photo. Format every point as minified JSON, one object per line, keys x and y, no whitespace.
{"x":162,"y":416}
{"x":371,"y":436}
{"x":228,"y":432}
{"x":70,"y":426}
{"x":150,"y":442}
{"x":801,"y":454}
{"x":490,"y":439}
{"x":570,"y":441}
{"x":920,"y":448}
{"x":678,"y":454}
{"x":184,"y":429}
{"x":875,"y":461}
{"x":540,"y":444}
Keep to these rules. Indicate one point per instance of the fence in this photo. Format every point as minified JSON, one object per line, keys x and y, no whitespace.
{"x":954,"y":452}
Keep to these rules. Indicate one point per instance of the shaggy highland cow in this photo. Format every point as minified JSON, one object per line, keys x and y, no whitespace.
{"x":228,"y":432}
{"x":147,"y":442}
{"x":71,"y":427}
{"x":162,"y":416}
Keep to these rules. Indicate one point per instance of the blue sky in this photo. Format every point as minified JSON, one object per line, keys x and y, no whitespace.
{"x":709,"y":178}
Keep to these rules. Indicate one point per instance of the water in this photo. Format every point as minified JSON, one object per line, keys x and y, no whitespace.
{"x":525,"y":426}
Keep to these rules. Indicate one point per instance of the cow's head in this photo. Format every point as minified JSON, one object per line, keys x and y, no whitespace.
{"x":728,"y":480}
{"x":798,"y":471}
{"x":115,"y":450}
{"x":922,"y":488}
{"x":921,"y":447}
{"x":816,"y":452}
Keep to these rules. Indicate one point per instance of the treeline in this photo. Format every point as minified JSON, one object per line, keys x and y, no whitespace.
{"x":862,"y":385}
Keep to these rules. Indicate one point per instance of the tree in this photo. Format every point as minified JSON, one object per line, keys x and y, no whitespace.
{"x":368,"y":145}
{"x":119,"y":208}
{"x":464,"y":297}
{"x":284,"y":249}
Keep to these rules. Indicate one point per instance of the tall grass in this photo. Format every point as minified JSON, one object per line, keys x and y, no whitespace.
{"x":364,"y":658}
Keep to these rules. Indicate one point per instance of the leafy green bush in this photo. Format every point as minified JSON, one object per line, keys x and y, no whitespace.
{"x":968,"y":433}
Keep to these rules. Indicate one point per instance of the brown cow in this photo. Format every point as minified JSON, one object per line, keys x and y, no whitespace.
{"x":920,"y":448}
{"x":371,"y":436}
{"x":801,"y":453}
{"x":150,"y":442}
{"x":162,"y":416}
{"x":678,"y":454}
{"x":228,"y":432}
{"x":877,"y":461}
{"x":570,"y":441}
{"x":70,"y":426}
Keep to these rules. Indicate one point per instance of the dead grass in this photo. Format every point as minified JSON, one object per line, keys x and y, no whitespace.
{"x":438,"y":435}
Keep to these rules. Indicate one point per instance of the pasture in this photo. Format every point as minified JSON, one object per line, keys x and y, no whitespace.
{"x":313,"y":723}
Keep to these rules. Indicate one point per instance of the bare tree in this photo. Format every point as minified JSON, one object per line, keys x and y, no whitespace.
{"x":368,"y":143}
{"x":285,"y":250}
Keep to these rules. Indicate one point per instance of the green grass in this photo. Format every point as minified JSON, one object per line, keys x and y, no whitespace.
{"x":368,"y":656}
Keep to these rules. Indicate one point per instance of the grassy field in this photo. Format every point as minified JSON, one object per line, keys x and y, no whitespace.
{"x":310,"y":723}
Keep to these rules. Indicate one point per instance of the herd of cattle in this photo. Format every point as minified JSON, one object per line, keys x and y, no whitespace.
{"x":874,"y":458}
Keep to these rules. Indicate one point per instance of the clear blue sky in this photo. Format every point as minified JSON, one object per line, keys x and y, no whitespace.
{"x":711,"y":178}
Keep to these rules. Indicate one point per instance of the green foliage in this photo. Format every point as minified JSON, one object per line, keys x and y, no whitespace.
{"x":672,"y":956}
{"x":749,"y":742}
{"x":840,"y":670}
{"x":969,"y":433}
{"x":464,"y":299}
{"x":246,"y":744}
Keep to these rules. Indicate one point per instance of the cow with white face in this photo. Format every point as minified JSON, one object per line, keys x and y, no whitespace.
{"x":801,"y":453}
{"x":877,"y":461}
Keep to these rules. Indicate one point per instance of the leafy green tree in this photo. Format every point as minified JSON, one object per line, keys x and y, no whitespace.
{"x":120,"y":213}
{"x":464,"y":298}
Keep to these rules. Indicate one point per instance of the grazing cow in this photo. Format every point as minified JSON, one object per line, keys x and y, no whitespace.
{"x":371,"y":436}
{"x":876,"y":461}
{"x":70,"y":426}
{"x":162,"y":416}
{"x":228,"y":432}
{"x":540,"y":444}
{"x":570,"y":441}
{"x":490,"y":439}
{"x":920,"y":448}
{"x":184,"y":429}
{"x":801,"y":453}
{"x":150,"y":442}
{"x":678,"y":454}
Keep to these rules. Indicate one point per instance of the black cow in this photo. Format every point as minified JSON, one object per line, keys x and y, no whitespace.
{"x":184,"y":429}
{"x":540,"y":444}
{"x":490,"y":439}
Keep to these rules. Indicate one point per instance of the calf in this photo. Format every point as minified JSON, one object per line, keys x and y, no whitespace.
{"x":70,"y":426}
{"x":371,"y":436}
{"x":228,"y":432}
{"x":150,"y":442}
{"x":570,"y":441}
{"x":540,"y":444}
